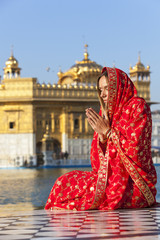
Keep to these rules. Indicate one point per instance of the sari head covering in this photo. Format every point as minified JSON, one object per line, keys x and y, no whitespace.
{"x":120,"y":90}
{"x":129,"y":150}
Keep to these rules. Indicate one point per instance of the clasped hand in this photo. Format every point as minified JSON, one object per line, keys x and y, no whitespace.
{"x":99,"y":124}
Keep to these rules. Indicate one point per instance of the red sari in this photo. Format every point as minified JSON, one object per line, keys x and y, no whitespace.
{"x":123,"y":174}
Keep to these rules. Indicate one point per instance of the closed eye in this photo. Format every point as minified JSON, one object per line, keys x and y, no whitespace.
{"x":105,"y":88}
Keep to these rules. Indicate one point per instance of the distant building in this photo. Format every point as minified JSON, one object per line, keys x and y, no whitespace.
{"x":156,"y":128}
{"x":156,"y":136}
{"x":33,"y":113}
{"x":41,"y":124}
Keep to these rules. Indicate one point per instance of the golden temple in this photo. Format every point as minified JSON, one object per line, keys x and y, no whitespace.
{"x":39,"y":122}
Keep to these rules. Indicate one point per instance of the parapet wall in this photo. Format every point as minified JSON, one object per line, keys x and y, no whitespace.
{"x":67,"y":92}
{"x":28,"y":89}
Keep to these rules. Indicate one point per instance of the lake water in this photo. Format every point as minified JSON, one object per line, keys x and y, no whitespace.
{"x":27,"y":189}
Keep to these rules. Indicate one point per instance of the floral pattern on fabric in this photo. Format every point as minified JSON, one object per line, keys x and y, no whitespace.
{"x":123,"y":174}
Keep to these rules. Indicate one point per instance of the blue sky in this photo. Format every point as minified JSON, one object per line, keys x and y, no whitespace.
{"x":52,"y":33}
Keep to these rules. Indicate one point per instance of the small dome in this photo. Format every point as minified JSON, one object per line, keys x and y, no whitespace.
{"x":49,"y":85}
{"x":12,"y":62}
{"x":139,"y":65}
{"x":11,"y":70}
{"x":148,"y":67}
{"x":43,"y":85}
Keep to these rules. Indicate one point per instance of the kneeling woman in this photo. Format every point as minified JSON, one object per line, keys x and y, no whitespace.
{"x":123,"y":174}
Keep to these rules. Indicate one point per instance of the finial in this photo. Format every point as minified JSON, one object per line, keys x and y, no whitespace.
{"x":11,"y":50}
{"x":60,"y":69}
{"x":86,"y":46}
{"x":139,"y":56}
{"x":86,"y":52}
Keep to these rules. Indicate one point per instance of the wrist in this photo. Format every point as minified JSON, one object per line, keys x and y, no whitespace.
{"x":102,"y":139}
{"x":105,"y":133}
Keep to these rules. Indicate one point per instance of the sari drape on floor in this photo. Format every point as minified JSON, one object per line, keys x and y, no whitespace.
{"x":123,"y":174}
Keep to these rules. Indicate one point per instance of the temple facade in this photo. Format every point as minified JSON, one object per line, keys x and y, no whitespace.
{"x":43,"y":123}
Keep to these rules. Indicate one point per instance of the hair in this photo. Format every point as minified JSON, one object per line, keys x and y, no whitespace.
{"x":99,"y":92}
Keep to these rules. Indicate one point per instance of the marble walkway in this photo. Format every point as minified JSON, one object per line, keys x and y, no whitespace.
{"x":127,"y":224}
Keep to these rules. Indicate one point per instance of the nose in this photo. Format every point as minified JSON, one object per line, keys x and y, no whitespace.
{"x":102,"y":93}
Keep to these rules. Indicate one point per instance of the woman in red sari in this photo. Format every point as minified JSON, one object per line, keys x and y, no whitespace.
{"x":123,"y":174}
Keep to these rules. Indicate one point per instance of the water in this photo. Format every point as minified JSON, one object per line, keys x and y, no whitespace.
{"x":22,"y":189}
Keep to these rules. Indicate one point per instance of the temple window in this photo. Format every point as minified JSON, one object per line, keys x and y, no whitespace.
{"x":11,"y":125}
{"x":39,"y":123}
{"x":76,"y":123}
{"x":48,"y":122}
{"x":56,"y":123}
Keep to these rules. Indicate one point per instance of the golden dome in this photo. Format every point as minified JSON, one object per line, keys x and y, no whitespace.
{"x":43,"y":85}
{"x":11,"y":70}
{"x":12,"y":62}
{"x":49,"y":85}
{"x":86,"y":64}
{"x":85,"y":71}
{"x":139,"y":65}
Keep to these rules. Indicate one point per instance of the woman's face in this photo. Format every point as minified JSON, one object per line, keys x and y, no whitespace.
{"x":103,"y":87}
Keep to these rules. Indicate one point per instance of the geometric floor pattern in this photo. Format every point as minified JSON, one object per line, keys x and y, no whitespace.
{"x":141,"y":224}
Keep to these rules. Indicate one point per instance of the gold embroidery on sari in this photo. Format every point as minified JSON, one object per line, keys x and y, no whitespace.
{"x":112,"y":93}
{"x":103,"y":170}
{"x":102,"y":178}
{"x":136,"y":177}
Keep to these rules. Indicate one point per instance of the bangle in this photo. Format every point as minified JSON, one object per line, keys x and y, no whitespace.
{"x":108,"y":133}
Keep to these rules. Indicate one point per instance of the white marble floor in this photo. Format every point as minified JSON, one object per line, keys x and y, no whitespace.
{"x":143,"y":224}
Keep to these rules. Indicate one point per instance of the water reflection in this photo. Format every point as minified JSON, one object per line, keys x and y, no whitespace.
{"x":27,"y":189}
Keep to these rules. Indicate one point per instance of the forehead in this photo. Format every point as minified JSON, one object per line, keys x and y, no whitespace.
{"x":103,"y":82}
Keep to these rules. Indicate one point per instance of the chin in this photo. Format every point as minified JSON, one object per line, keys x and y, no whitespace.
{"x":105,"y":105}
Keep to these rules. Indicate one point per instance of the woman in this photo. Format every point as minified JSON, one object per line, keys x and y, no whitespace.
{"x":123,"y":174}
